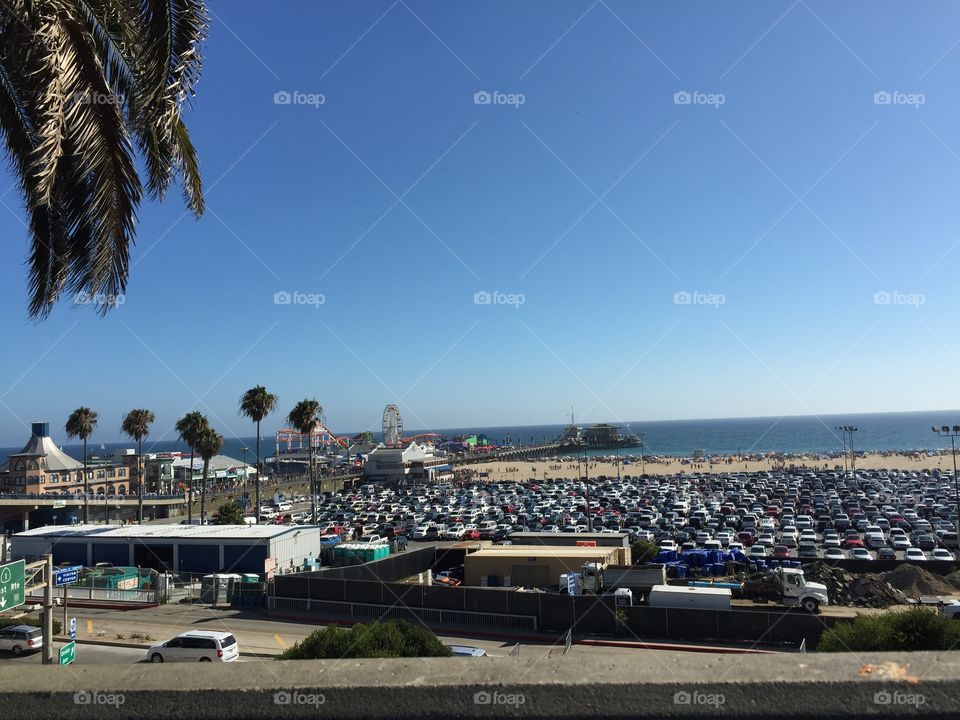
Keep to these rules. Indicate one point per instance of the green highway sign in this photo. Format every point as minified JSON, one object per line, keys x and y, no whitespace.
{"x":11,"y":585}
{"x":68,"y":653}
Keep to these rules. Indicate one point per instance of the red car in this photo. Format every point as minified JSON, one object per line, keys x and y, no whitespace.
{"x":852,"y":543}
{"x":781,"y":551}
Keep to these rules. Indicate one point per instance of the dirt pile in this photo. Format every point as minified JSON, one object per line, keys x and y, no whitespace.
{"x":914,"y":581}
{"x":954,"y":579}
{"x":844,"y":588}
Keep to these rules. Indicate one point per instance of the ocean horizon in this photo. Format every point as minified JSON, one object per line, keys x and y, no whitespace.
{"x":901,"y":431}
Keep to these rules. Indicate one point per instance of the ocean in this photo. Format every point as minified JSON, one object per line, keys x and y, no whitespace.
{"x":800,"y":434}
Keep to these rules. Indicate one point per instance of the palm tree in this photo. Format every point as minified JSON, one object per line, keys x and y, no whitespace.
{"x":305,"y":417}
{"x":209,"y":443}
{"x":256,"y":404}
{"x":92,"y":88}
{"x":80,"y":424}
{"x":190,"y":426}
{"x":136,"y":425}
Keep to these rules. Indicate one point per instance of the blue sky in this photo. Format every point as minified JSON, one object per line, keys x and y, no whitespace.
{"x":804,"y":202}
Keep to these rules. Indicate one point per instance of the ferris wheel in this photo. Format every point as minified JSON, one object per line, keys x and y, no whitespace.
{"x":392,"y":425}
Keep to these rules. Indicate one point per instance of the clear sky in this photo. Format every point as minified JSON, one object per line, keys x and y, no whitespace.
{"x":706,"y":209}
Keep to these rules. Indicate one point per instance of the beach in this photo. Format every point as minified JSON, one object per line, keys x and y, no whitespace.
{"x":554,"y":468}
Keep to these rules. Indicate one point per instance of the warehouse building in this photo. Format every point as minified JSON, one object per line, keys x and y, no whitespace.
{"x":534,"y":565}
{"x":199,"y":549}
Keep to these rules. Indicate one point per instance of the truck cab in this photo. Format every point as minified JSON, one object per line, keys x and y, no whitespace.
{"x":798,"y":592}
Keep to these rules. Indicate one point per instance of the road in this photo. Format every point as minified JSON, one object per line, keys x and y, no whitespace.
{"x":255,"y":633}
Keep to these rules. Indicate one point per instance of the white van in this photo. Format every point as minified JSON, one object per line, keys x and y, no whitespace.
{"x":196,"y":646}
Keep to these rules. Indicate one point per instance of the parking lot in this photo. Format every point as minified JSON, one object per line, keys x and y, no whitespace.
{"x":789,"y":514}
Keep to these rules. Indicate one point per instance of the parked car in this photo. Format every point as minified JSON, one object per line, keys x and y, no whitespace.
{"x":943,"y":554}
{"x":196,"y":646}
{"x":18,"y":639}
{"x":834,"y":553}
{"x":860,"y":553}
{"x":914,"y":553}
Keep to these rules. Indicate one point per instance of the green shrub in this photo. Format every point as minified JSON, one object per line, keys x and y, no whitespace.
{"x":30,"y":620}
{"x":642,"y":551}
{"x":380,"y":640}
{"x":897,"y":630}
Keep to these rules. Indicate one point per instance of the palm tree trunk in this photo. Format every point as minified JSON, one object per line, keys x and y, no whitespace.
{"x":257,"y":479}
{"x":203,"y":491}
{"x":140,"y":482}
{"x":313,"y":486}
{"x":189,"y":491}
{"x":86,"y":486}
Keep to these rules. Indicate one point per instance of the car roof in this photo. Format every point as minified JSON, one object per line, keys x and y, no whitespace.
{"x":205,"y":634}
{"x":21,"y":627}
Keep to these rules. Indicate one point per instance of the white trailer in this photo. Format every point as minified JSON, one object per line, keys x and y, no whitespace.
{"x":700,"y":598}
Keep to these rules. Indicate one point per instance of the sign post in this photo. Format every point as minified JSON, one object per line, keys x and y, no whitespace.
{"x":68,"y":653}
{"x":11,"y":585}
{"x":65,"y":576}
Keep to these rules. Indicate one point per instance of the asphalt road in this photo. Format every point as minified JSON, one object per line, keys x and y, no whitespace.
{"x":86,"y":655}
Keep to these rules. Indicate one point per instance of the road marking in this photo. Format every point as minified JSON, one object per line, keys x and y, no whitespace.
{"x":280,"y":641}
{"x":89,"y":627}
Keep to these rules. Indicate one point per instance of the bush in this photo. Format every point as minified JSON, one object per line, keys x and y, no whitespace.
{"x":642,"y":551}
{"x":897,"y":630}
{"x":30,"y":620}
{"x":380,"y":640}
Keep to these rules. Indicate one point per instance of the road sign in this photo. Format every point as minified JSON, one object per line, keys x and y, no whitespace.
{"x":11,"y":585}
{"x":66,"y":575}
{"x":68,"y":653}
{"x":73,"y":628}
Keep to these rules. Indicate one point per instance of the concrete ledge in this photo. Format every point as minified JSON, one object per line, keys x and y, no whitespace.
{"x":650,"y":685}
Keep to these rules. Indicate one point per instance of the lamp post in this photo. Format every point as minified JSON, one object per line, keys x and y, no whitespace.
{"x":643,"y":436}
{"x":843,"y":440}
{"x":952,"y":433}
{"x":851,"y":429}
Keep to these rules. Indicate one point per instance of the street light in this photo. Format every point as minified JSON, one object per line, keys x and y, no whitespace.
{"x":843,"y":440}
{"x":643,"y":436}
{"x":853,"y":458}
{"x":952,"y":433}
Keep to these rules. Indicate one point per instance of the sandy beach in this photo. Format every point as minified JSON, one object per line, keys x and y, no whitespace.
{"x":552,"y":468}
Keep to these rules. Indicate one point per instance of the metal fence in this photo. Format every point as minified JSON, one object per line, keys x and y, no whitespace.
{"x":428,"y":616}
{"x":100,"y":594}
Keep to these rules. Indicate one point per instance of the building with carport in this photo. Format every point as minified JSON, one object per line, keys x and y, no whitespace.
{"x":196,"y":549}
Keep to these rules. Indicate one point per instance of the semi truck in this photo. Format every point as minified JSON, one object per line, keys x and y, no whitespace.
{"x":787,"y":586}
{"x":596,"y":578}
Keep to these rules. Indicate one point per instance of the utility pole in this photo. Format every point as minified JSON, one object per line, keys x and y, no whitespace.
{"x":48,"y":611}
{"x":953,"y":432}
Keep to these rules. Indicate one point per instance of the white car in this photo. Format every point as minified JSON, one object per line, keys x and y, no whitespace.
{"x":943,"y":554}
{"x":859,"y":553}
{"x":834,"y":553}
{"x":19,"y":639}
{"x":914,"y":553}
{"x":196,"y":646}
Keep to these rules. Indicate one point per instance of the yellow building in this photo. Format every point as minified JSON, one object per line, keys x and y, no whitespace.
{"x":534,"y":565}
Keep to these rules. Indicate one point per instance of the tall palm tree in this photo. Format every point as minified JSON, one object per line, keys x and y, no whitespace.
{"x":209,"y":443}
{"x":190,"y":426}
{"x":91,"y":88}
{"x":136,"y":424}
{"x":305,"y":417}
{"x":256,"y":403}
{"x":80,"y":424}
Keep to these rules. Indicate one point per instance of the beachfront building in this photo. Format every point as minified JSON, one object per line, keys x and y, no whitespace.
{"x":224,"y":471}
{"x":413,"y":463}
{"x":42,"y":467}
